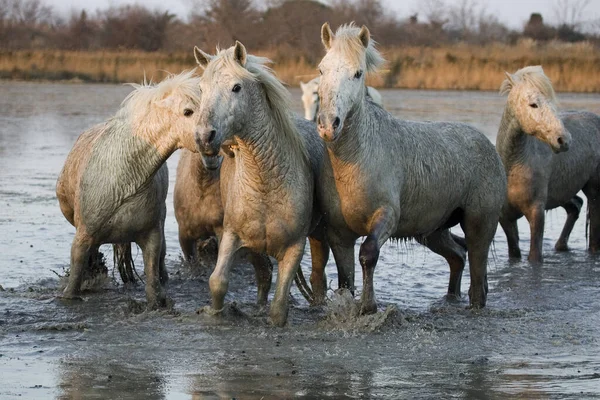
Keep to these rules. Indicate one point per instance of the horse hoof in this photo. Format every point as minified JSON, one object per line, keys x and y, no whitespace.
{"x":368,"y":308}
{"x":453,"y":298}
{"x":561,"y":246}
{"x":278,"y":319}
{"x":208,"y":310}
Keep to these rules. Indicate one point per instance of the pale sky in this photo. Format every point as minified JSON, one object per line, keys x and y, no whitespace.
{"x":513,"y":13}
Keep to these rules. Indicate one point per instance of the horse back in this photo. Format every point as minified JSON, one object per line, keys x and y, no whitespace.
{"x":68,"y":183}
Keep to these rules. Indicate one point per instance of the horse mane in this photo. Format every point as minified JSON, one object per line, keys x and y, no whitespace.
{"x":278,"y":97}
{"x":147,"y":93}
{"x":347,"y":42}
{"x":533,"y":75}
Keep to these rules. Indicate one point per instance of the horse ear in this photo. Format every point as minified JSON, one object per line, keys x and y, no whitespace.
{"x":510,"y":77}
{"x":326,"y":35}
{"x":201,"y":57}
{"x":240,"y":54}
{"x":364,"y":36}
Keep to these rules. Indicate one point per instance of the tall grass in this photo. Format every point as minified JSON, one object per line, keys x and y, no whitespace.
{"x":572,"y":67}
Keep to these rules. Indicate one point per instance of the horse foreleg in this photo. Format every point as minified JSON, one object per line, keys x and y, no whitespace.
{"x":263,"y":269}
{"x":219,"y":279}
{"x":536,"y":219}
{"x":80,"y":254}
{"x":511,"y":230}
{"x":443,"y":243}
{"x":343,"y":254}
{"x":573,"y":207}
{"x":381,"y":227}
{"x":287,"y":268}
{"x":152,"y":245}
{"x":319,"y":254}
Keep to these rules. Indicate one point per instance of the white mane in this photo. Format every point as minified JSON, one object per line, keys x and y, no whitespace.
{"x":533,"y":75}
{"x":346,"y":41}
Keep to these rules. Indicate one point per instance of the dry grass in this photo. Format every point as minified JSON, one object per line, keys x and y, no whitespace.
{"x":572,"y":67}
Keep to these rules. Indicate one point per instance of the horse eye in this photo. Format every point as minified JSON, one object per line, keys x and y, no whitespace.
{"x":320,"y":71}
{"x":358,"y":74}
{"x":533,"y":105}
{"x":236,"y":88}
{"x":188,"y":112}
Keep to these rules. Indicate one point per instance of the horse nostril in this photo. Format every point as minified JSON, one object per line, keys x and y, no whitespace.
{"x":336,"y":123}
{"x":319,"y":119}
{"x":560,"y":140}
{"x":211,"y":136}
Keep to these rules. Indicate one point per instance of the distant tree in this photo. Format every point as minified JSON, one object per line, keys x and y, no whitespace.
{"x":536,"y":29}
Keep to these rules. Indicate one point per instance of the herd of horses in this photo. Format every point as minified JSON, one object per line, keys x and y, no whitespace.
{"x":262,"y":179}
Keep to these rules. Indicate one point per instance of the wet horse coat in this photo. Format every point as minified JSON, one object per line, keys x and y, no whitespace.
{"x":548,"y":157}
{"x":114,"y":183}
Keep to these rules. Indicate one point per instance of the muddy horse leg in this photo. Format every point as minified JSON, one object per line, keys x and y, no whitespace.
{"x":343,"y":254}
{"x":219,"y":279}
{"x":573,"y":207}
{"x":444,"y":244}
{"x":511,"y":231}
{"x":479,"y":233}
{"x":263,"y":269}
{"x":188,"y":247}
{"x":381,"y":226}
{"x":535,"y":216}
{"x":80,"y":255}
{"x":162,"y":268}
{"x":319,"y":254}
{"x":287,"y":267}
{"x":592,"y":192}
{"x":152,"y":245}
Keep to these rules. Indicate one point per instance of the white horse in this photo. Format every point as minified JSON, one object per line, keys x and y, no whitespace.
{"x":401,"y":179}
{"x":310,"y":98}
{"x":533,"y":140}
{"x":114,"y":183}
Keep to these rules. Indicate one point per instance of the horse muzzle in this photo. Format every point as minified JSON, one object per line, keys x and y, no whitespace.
{"x":329,"y":131}
{"x":211,"y":162}
{"x":562,"y":143}
{"x":205,"y":141}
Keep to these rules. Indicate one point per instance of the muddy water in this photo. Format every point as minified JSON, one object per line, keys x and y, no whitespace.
{"x":538,"y":337}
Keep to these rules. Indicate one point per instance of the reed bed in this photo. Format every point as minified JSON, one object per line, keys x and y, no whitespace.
{"x":572,"y":67}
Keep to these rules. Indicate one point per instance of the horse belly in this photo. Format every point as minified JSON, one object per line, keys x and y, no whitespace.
{"x":422,"y":219}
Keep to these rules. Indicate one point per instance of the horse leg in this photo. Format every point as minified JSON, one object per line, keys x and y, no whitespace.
{"x":479,"y":233}
{"x":319,"y":254}
{"x":381,"y":227}
{"x":219,"y":279}
{"x":443,"y":243}
{"x":287,"y":268}
{"x":592,"y":192}
{"x":188,"y":247}
{"x":152,"y":245}
{"x":536,"y":218}
{"x":459,"y":240}
{"x":80,"y":255}
{"x":511,"y":230}
{"x":162,"y":268}
{"x":573,"y":207}
{"x":343,"y":254}
{"x":263,"y":270}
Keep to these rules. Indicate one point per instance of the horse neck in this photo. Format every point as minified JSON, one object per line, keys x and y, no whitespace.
{"x":512,"y":143}
{"x":131,"y":158}
{"x":357,"y":138}
{"x":267,"y":155}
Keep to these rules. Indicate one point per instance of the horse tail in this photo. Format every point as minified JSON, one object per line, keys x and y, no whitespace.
{"x":124,"y":262}
{"x":587,"y":224}
{"x":303,"y":286}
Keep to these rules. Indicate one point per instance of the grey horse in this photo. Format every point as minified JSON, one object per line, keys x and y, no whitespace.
{"x":401,"y":179}
{"x":533,"y":140}
{"x":268,"y":173}
{"x":114,"y":183}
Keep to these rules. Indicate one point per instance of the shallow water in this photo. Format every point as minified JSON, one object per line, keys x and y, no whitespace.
{"x":538,"y":337}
